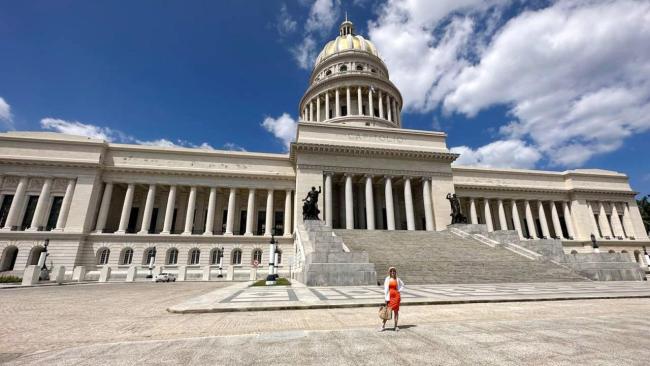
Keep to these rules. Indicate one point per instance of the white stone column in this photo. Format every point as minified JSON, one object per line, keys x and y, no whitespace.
{"x":189,"y":214}
{"x":371,"y":110}
{"x":328,"y":198}
{"x":503,"y":223}
{"x":209,"y":220}
{"x":568,"y":220}
{"x":516,"y":220}
{"x":349,"y":209}
{"x":230,"y":218}
{"x":269,"y":213}
{"x":349,"y":102}
{"x":381,"y":104}
{"x":370,"y":206}
{"x":388,"y":106}
{"x":487,"y":213}
{"x":327,"y":105}
{"x":398,"y":116}
{"x":530,"y":221}
{"x":288,"y":231}
{"x":627,"y":221}
{"x":148,"y":209}
{"x":103,"y":209}
{"x":65,"y":205}
{"x":43,"y":201}
{"x":542,"y":220}
{"x":602,"y":218}
{"x":337,"y":104}
{"x":318,"y":108}
{"x":390,"y":210}
{"x":359,"y":101}
{"x":126,"y":209}
{"x":557,"y":227}
{"x":408,"y":204}
{"x":428,"y":208}
{"x":16,"y":204}
{"x":617,"y":227}
{"x":592,"y":218}
{"x":311,"y":111}
{"x":472,"y":211}
{"x":250,"y":212}
{"x":169,"y":210}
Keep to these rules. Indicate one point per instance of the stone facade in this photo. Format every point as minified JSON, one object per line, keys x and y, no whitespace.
{"x":103,"y":204}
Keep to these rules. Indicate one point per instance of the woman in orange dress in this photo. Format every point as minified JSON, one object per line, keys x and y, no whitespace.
{"x":392,"y":288}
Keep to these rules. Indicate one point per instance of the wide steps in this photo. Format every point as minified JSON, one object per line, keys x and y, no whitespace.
{"x":424,"y":257}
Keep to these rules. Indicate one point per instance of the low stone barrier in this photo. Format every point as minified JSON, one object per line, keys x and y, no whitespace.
{"x":105,"y":274}
{"x":131,"y":274}
{"x":79,"y":273}
{"x":58,"y":275}
{"x":30,"y":276}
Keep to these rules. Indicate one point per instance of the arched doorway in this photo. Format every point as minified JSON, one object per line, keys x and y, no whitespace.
{"x":34,"y":255}
{"x":8,"y":260}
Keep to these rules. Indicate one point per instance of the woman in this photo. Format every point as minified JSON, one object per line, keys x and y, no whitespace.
{"x":392,"y":288}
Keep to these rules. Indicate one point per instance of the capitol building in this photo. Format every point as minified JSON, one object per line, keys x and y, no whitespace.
{"x":108,"y":205}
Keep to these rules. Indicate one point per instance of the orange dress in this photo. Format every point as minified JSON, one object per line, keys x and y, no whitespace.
{"x":393,"y":295}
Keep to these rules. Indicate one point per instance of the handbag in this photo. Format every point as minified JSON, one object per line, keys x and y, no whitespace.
{"x":385,"y":313}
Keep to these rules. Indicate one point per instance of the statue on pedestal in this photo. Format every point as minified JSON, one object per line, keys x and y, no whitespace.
{"x":456,"y":216}
{"x":310,"y":209}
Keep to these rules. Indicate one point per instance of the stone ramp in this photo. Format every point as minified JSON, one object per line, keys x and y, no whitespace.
{"x":426,"y":257}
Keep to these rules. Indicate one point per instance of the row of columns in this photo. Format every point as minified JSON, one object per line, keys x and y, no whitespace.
{"x":616,"y":228}
{"x":528,"y":214}
{"x":39,"y":217}
{"x":191,"y":204}
{"x":311,"y":112}
{"x":369,"y":199}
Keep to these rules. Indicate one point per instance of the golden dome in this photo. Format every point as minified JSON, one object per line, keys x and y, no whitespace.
{"x":346,"y":41}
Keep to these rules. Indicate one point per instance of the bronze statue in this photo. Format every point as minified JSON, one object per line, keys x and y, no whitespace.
{"x":310,"y":209}
{"x":456,"y":216}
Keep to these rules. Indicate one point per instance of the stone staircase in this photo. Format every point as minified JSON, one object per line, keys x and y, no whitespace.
{"x":426,"y":257}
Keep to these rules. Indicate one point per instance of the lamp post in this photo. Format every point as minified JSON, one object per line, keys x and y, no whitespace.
{"x":220,"y":259}
{"x":271,"y":277}
{"x":45,"y":274}
{"x":594,"y":245}
{"x":152,"y":261}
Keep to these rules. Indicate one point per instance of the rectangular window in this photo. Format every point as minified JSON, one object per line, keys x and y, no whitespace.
{"x":29,"y":212}
{"x":154,"y":220}
{"x":224,"y":220}
{"x":242,"y":222}
{"x":279,"y":223}
{"x":4,"y":209}
{"x":261,"y":222}
{"x":55,"y":211}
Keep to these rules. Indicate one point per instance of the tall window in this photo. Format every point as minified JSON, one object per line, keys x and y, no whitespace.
{"x":127,"y":256}
{"x":148,"y":254}
{"x":103,"y":256}
{"x":214,"y":256}
{"x":195,"y":254}
{"x":4,"y":209}
{"x":172,"y":256}
{"x":236,"y":256}
{"x":257,"y":255}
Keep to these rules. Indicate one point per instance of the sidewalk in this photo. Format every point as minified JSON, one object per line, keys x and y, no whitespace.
{"x":242,"y":297}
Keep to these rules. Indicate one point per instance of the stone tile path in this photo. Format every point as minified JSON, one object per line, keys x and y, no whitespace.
{"x":241,"y":297}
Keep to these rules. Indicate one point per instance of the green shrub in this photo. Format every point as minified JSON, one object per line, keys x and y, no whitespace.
{"x":10,"y":279}
{"x":279,"y":282}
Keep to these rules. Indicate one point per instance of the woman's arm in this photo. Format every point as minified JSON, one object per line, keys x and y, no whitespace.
{"x":386,"y":293}
{"x":400,"y":285}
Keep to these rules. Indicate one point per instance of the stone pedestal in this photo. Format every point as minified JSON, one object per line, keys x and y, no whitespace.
{"x":58,"y":274}
{"x":206,"y":273}
{"x":79,"y":273}
{"x":105,"y":274}
{"x":30,"y":276}
{"x":182,"y":273}
{"x":131,"y":274}
{"x":253,"y":275}
{"x":230,"y":273}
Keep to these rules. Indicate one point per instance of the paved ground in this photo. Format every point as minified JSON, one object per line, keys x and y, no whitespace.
{"x":128,"y":324}
{"x":241,"y":297}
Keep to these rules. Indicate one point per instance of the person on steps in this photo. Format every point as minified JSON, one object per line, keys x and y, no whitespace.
{"x":392,"y":288}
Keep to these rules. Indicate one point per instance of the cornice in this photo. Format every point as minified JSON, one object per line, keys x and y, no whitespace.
{"x":542,"y":190}
{"x":370,"y":151}
{"x":189,"y":239}
{"x":201,"y":173}
{"x":49,"y":161}
{"x":357,"y":171}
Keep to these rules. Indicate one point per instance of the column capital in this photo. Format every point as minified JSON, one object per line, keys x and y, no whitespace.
{"x":369,"y":176}
{"x":424,"y":179}
{"x":347,"y":174}
{"x":329,"y":173}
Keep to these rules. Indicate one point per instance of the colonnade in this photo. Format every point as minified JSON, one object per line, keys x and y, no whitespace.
{"x":610,"y":220}
{"x":13,"y":211}
{"x":370,"y":198}
{"x":191,"y":204}
{"x":366,"y":101}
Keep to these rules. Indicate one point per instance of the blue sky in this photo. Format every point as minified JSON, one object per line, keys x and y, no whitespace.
{"x":547,"y":85}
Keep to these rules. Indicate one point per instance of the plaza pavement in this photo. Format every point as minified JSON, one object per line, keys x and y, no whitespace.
{"x":128,"y":324}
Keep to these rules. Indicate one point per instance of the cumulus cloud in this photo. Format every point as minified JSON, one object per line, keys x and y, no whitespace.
{"x":283,"y":128}
{"x":575,"y":75}
{"x":6,"y":117}
{"x":305,"y":53}
{"x":285,"y":23}
{"x":233,"y":147}
{"x":499,"y":154}
{"x":323,"y":15}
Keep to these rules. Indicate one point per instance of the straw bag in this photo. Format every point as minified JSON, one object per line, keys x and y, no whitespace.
{"x":385,"y":313}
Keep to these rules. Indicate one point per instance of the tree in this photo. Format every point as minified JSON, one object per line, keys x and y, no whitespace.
{"x":644,"y":208}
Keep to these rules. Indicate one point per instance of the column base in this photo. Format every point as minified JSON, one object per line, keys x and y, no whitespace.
{"x":227,"y":234}
{"x":32,"y":229}
{"x":60,"y":230}
{"x":186,"y":233}
{"x":208,"y":233}
{"x":141,"y":232}
{"x":248,"y":234}
{"x":120,"y":232}
{"x":165,"y":233}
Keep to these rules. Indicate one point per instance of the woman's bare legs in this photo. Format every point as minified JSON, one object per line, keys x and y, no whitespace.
{"x":396,"y":318}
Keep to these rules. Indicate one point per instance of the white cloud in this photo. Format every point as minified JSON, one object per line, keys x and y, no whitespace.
{"x":159,"y":142}
{"x":323,"y":14}
{"x":283,"y":128}
{"x":285,"y":24}
{"x":305,"y":53}
{"x":233,"y":147}
{"x":499,"y":154}
{"x":5,"y":114}
{"x":79,"y":129}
